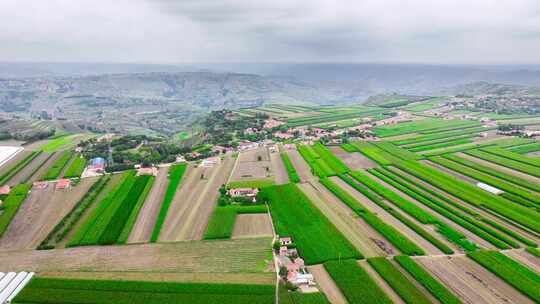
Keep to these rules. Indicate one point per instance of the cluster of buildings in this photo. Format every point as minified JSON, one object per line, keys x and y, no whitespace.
{"x":296,"y":271}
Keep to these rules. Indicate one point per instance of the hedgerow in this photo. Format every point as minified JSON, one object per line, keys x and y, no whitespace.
{"x":51,"y":290}
{"x":423,"y":277}
{"x":355,"y":283}
{"x":514,"y":273}
{"x":175,"y":177}
{"x":11,"y":205}
{"x":62,"y":229}
{"x":399,"y":283}
{"x":295,"y":215}
{"x":395,"y":237}
{"x":291,"y":171}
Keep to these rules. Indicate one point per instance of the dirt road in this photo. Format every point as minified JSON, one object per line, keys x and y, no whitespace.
{"x":146,"y":220}
{"x":354,"y":160}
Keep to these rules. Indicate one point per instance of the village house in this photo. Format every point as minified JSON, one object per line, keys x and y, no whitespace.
{"x":4,"y":190}
{"x":249,"y":192}
{"x":152,"y":171}
{"x":63,"y":184}
{"x":180,"y":159}
{"x":282,"y":135}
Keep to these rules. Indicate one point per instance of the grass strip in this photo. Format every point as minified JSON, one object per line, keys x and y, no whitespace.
{"x":291,"y":171}
{"x":397,"y":280}
{"x":436,"y":288}
{"x":175,"y":177}
{"x":355,"y":283}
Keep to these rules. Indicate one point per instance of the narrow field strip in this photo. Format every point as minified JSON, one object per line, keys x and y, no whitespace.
{"x":291,"y":171}
{"x":55,"y":170}
{"x":76,"y":167}
{"x":221,"y":224}
{"x":506,"y":162}
{"x":11,"y":205}
{"x":138,"y":200}
{"x":16,"y":168}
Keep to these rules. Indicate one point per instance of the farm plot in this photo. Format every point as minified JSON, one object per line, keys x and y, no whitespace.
{"x":278,"y":169}
{"x":302,"y":168}
{"x":8,"y":153}
{"x":295,"y":215}
{"x":38,"y":215}
{"x":357,"y":231}
{"x":76,"y":167}
{"x":422,"y":125}
{"x":291,"y":171}
{"x":252,"y":165}
{"x":470,"y":281}
{"x":194,"y":202}
{"x":353,"y":160}
{"x":506,"y":162}
{"x":46,"y":290}
{"x":27,"y":168}
{"x":249,"y":255}
{"x":221,"y":223}
{"x":11,"y":162}
{"x":252,"y":225}
{"x":146,"y":221}
{"x":327,"y":285}
{"x":525,"y":258}
{"x":500,"y":168}
{"x":54,"y":171}
{"x":11,"y":205}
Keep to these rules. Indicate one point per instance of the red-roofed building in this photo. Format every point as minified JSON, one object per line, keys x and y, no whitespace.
{"x":4,"y":190}
{"x":63,"y":184}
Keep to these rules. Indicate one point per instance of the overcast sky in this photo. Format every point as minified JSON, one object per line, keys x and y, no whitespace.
{"x":190,"y":31}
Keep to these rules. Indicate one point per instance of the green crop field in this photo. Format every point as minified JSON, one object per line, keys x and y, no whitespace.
{"x":399,"y":283}
{"x":57,"y":143}
{"x":11,"y":205}
{"x":139,"y":197}
{"x":373,"y":152}
{"x":355,"y":283}
{"x":291,"y":171}
{"x":76,"y":167}
{"x":506,"y":162}
{"x":524,"y":149}
{"x":417,"y":126}
{"x":441,"y":145}
{"x":317,"y":164}
{"x":221,"y":224}
{"x":438,"y":290}
{"x":343,"y":115}
{"x":295,"y":215}
{"x":394,"y":236}
{"x":16,"y":168}
{"x":469,"y":131}
{"x":514,"y":273}
{"x":513,"y":156}
{"x":73,"y":291}
{"x":176,"y":172}
{"x":54,"y":171}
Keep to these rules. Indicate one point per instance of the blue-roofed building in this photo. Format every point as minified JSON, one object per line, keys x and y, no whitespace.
{"x":98,"y":163}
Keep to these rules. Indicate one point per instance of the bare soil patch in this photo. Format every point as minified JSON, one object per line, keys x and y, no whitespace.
{"x":39,"y":213}
{"x":354,"y":160}
{"x":43,"y":169}
{"x":146,"y":220}
{"x":249,"y":167}
{"x":235,"y":256}
{"x":327,"y":285}
{"x":278,"y":169}
{"x":302,"y":168}
{"x":194,"y":202}
{"x":252,"y":225}
{"x":470,"y":281}
{"x":358,"y":232}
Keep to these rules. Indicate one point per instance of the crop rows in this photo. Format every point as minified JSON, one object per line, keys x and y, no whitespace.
{"x":398,"y":239}
{"x":56,"y":169}
{"x":395,"y":150}
{"x":442,"y":145}
{"x":423,"y":277}
{"x":524,"y":149}
{"x":472,"y":194}
{"x":291,"y":171}
{"x":439,"y":135}
{"x":76,"y":167}
{"x":16,"y":168}
{"x":176,"y":172}
{"x":329,"y":158}
{"x":138,"y":201}
{"x":513,"y":156}
{"x":331,"y":117}
{"x":322,"y":167}
{"x":62,"y":229}
{"x":399,"y":283}
{"x":374,"y":153}
{"x":469,"y":211}
{"x":455,"y":149}
{"x":506,"y":162}
{"x":514,"y":273}
{"x":295,"y":215}
{"x":437,"y":141}
{"x":52,"y":290}
{"x":355,"y":283}
{"x":221,"y":224}
{"x":497,"y":183}
{"x":422,"y":125}
{"x":11,"y":205}
{"x":504,"y":176}
{"x":437,"y":205}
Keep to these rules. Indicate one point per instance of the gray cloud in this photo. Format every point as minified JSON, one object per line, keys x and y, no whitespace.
{"x":169,"y":31}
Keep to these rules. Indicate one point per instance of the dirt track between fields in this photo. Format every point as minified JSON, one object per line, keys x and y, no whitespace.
{"x":327,"y":285}
{"x":252,"y":225}
{"x":302,"y":168}
{"x":146,"y":220}
{"x":39,"y":213}
{"x":278,"y":169}
{"x":15,"y":159}
{"x":194,"y":202}
{"x":381,"y":282}
{"x":354,"y":160}
{"x":470,"y":281}
{"x":358,"y":232}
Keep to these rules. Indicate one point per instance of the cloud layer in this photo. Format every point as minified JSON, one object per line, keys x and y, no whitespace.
{"x":188,"y":31}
